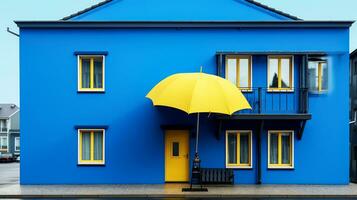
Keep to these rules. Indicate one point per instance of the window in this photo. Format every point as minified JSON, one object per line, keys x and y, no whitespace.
{"x":91,"y":73}
{"x":280,"y":73}
{"x":239,"y":149}
{"x":91,"y":146}
{"x":3,"y":142}
{"x":280,"y":149}
{"x":318,"y":76}
{"x":3,"y":125}
{"x":17,"y":143}
{"x":239,"y":71}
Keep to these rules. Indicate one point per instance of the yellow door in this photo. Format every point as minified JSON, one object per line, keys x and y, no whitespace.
{"x":177,"y":156}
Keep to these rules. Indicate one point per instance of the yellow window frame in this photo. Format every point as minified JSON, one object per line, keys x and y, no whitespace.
{"x":91,"y":73}
{"x":320,"y":71}
{"x":291,"y":74}
{"x":280,"y":164}
{"x":237,"y":58}
{"x":91,"y":161}
{"x":238,"y":133}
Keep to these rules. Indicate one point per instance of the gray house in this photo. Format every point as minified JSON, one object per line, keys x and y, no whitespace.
{"x":10,"y":129}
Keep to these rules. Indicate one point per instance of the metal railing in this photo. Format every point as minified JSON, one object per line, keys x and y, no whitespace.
{"x":274,"y":101}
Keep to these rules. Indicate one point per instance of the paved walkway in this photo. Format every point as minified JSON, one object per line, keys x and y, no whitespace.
{"x":10,"y":188}
{"x":174,"y":191}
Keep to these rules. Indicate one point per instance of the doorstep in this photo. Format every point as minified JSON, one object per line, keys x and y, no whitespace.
{"x":174,"y":191}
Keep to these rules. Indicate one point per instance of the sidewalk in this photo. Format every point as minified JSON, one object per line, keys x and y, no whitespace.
{"x":174,"y":191}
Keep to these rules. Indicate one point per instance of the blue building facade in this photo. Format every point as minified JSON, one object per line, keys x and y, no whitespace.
{"x":84,"y":81}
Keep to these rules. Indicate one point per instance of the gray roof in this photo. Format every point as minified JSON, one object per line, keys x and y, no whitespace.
{"x":6,"y":110}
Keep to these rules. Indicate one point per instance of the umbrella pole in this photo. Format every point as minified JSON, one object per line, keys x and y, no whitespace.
{"x":197,"y":130}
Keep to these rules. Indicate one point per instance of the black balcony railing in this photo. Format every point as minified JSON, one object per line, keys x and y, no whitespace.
{"x":273,"y":101}
{"x":3,"y":129}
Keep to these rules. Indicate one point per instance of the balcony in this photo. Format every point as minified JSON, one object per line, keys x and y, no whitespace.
{"x":3,"y":129}
{"x":267,"y":101}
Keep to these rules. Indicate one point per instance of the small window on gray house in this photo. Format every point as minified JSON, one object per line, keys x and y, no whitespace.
{"x":318,"y":75}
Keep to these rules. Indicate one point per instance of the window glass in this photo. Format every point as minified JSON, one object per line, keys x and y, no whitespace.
{"x":232,"y":148}
{"x":285,"y":73}
{"x":232,"y":70}
{"x":17,"y":144}
{"x":86,"y":145}
{"x":244,"y":73}
{"x":273,"y":148}
{"x":324,"y":76}
{"x":98,"y":72}
{"x":313,"y":75}
{"x":285,"y":144}
{"x":85,"y":72}
{"x":175,"y":149}
{"x":244,"y":148}
{"x":98,"y":145}
{"x":273,"y":73}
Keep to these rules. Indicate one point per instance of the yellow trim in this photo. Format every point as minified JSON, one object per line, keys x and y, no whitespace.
{"x":80,"y":141}
{"x":320,"y":72}
{"x":238,"y":134}
{"x":91,"y":73}
{"x":291,"y":72}
{"x":238,"y":58}
{"x":280,"y":133}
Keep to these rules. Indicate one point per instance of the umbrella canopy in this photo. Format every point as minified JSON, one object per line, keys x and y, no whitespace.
{"x":197,"y":93}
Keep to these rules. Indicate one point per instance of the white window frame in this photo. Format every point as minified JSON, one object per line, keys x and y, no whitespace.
{"x":7,"y":143}
{"x":79,"y":150}
{"x":89,"y":90}
{"x":292,"y":150}
{"x":238,"y":166}
{"x":17,"y":144}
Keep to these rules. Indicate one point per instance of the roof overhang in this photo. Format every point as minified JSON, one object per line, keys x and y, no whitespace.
{"x":310,"y":53}
{"x":184,"y":24}
{"x":306,"y":116}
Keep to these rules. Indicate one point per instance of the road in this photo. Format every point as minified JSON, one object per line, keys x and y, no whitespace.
{"x":9,"y":174}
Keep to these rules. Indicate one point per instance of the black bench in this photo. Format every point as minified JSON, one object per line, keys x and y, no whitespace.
{"x":217,"y":176}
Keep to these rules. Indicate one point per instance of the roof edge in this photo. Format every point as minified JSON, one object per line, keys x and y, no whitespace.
{"x":184,"y":24}
{"x":273,"y":10}
{"x":248,"y":1}
{"x":86,"y":10}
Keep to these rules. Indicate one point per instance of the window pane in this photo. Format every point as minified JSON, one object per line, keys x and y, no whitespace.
{"x":98,"y":72}
{"x":313,"y":76}
{"x":244,"y":73}
{"x":232,"y":148}
{"x":98,"y":145}
{"x":85,"y":73}
{"x":232,"y":70}
{"x":175,"y":149}
{"x":273,"y":148}
{"x":285,"y":73}
{"x":244,"y":148}
{"x":85,"y":145}
{"x":324,"y":76}
{"x":17,"y":144}
{"x":285,"y":148}
{"x":273,"y":73}
{"x":3,"y":142}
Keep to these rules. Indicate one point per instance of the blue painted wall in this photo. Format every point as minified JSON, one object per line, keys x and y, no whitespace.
{"x":136,"y":61}
{"x":179,"y":10}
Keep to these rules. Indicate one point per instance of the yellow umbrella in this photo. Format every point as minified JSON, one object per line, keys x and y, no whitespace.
{"x":197,"y":93}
